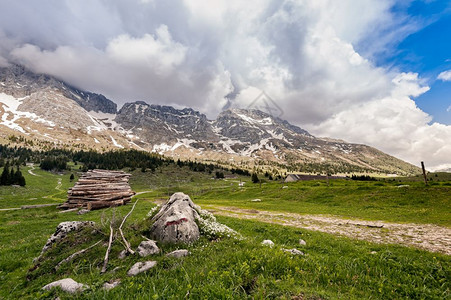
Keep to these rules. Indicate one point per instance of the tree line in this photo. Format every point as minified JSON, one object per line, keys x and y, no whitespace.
{"x":58,"y":159}
{"x":11,"y":177}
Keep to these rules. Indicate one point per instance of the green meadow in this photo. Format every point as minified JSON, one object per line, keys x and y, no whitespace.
{"x":333,"y":267}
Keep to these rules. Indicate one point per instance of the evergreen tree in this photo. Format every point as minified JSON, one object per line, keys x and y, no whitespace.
{"x":4,"y":178}
{"x":255,"y":178}
{"x":19,"y":178}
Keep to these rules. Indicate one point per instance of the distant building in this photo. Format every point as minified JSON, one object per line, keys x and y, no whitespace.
{"x":292,"y":178}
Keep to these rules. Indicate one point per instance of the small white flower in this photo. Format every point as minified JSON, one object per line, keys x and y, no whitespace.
{"x":152,"y":211}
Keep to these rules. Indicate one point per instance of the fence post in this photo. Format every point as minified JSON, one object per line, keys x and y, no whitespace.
{"x":424,"y":174}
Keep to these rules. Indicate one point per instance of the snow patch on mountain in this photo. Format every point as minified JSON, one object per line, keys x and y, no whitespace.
{"x":116,"y":143}
{"x":11,"y":114}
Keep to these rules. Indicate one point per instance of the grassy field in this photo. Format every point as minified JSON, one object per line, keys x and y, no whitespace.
{"x":395,"y":201}
{"x":333,"y":267}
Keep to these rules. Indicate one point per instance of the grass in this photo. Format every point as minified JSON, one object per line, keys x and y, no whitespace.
{"x":228,"y":269}
{"x":334,"y":267}
{"x":379,"y":200}
{"x":366,"y":200}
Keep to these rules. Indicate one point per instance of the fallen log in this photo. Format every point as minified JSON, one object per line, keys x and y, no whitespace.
{"x":104,"y":204}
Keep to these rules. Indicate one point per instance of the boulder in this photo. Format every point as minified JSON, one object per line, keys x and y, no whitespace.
{"x":140,"y":267}
{"x":178,"y":253}
{"x":68,"y":285}
{"x":176,"y":221}
{"x":147,"y":248}
{"x":268,"y":243}
{"x":61,"y":231}
{"x":111,"y":285}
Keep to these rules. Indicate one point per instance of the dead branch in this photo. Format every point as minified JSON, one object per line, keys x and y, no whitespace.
{"x":146,"y":237}
{"x":105,"y":262}
{"x":75,"y":255}
{"x":127,"y":244}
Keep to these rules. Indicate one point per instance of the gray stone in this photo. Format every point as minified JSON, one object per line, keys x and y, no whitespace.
{"x":68,"y":285}
{"x":122,"y":254}
{"x":268,"y":243}
{"x":62,"y":230}
{"x":302,"y":242}
{"x":111,"y":285}
{"x":147,"y":248}
{"x":140,"y":267}
{"x":256,"y":200}
{"x":176,"y":221}
{"x":178,"y":253}
{"x":294,"y":251}
{"x":83,"y":211}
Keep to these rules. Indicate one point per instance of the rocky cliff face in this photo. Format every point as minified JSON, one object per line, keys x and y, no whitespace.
{"x":19,"y":82}
{"x":164,"y":124}
{"x":42,"y":108}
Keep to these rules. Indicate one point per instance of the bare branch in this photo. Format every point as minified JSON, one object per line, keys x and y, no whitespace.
{"x":127,"y":244}
{"x":105,"y":262}
{"x":75,"y":255}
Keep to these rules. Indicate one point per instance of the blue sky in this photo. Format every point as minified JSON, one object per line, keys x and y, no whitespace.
{"x":428,"y":53}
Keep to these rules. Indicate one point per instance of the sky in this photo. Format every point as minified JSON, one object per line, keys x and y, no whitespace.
{"x":376,"y":72}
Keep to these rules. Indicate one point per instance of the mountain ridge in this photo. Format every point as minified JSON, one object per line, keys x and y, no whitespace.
{"x":42,"y":108}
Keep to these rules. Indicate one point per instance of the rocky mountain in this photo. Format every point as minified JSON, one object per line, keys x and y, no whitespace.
{"x":41,"y":111}
{"x":19,"y":82}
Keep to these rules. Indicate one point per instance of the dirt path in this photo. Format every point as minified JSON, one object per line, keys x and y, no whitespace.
{"x":30,"y":171}
{"x":59,"y":184}
{"x":424,"y":236}
{"x":140,"y":193}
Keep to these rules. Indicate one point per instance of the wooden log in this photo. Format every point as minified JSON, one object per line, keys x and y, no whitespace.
{"x":91,"y":199}
{"x":104,"y":204}
{"x":100,"y":192}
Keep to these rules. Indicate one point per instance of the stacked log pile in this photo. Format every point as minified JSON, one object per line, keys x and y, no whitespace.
{"x":98,"y":189}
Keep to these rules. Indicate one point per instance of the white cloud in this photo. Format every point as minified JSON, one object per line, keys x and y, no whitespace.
{"x":314,"y":58}
{"x":448,"y":109}
{"x":395,"y":125}
{"x":445,"y":76}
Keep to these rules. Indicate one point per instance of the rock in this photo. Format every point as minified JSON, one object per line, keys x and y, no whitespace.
{"x":294,"y":251}
{"x":82,"y":211}
{"x":62,"y":230}
{"x":285,"y":187}
{"x":178,"y":253}
{"x":268,"y":243}
{"x":111,"y":285}
{"x":122,"y":254}
{"x":140,"y":267}
{"x":256,"y":200}
{"x":147,"y":248}
{"x":302,"y":242}
{"x":68,"y":285}
{"x":176,"y":221}
{"x":373,"y":252}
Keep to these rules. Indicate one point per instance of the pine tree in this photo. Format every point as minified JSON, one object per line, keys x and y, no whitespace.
{"x":4,"y":178}
{"x":19,"y":178}
{"x":255,"y":178}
